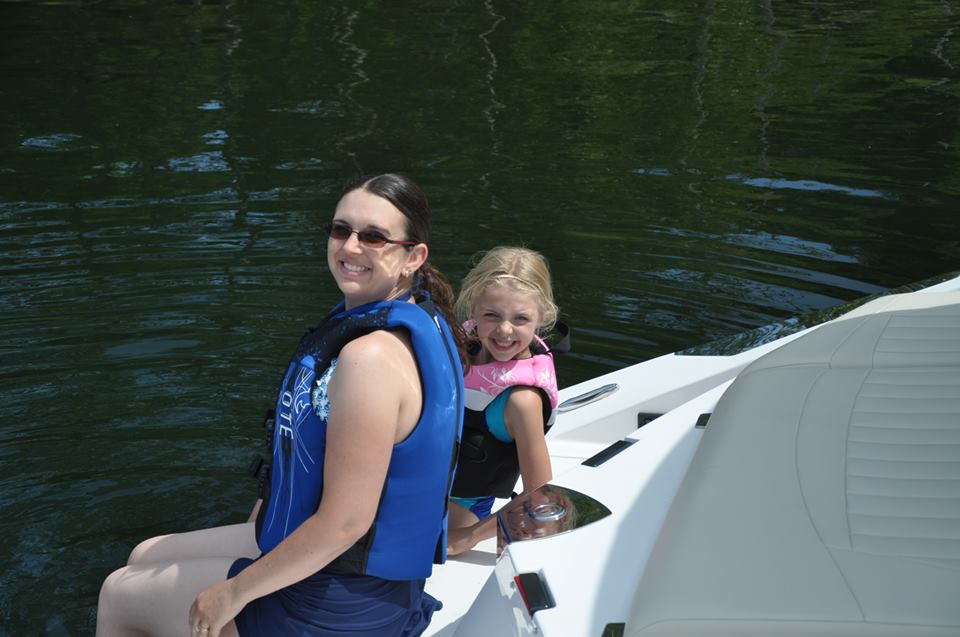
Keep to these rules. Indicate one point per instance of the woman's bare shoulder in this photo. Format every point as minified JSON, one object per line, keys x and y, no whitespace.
{"x":376,"y":343}
{"x":379,"y":352}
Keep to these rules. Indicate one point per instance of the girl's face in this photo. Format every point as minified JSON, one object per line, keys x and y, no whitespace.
{"x":507,"y":320}
{"x":365,"y":274}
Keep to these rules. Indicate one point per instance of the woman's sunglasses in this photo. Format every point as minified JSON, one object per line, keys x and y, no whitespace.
{"x":369,"y":238}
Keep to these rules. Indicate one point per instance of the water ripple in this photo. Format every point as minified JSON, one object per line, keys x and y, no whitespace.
{"x":209,"y":162}
{"x":212,"y":105}
{"x":790,"y":245}
{"x":55,"y":141}
{"x":807,"y":184}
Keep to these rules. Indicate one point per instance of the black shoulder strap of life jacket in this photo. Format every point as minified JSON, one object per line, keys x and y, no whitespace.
{"x":562,"y":346}
{"x":259,"y":467}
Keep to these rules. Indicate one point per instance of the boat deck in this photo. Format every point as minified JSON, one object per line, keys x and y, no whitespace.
{"x":824,"y":498}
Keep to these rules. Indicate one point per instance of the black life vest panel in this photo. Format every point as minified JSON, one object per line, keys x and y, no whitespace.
{"x":488,"y":466}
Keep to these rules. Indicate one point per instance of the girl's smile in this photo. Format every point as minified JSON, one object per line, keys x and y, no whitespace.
{"x":507,"y":320}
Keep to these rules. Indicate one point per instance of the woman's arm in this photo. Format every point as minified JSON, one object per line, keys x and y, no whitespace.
{"x":523,"y":414}
{"x":370,"y":410}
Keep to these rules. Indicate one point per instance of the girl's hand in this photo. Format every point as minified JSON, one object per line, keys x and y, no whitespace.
{"x":213,"y":609}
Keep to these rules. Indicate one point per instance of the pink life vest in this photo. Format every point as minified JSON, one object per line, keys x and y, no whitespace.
{"x":494,"y":377}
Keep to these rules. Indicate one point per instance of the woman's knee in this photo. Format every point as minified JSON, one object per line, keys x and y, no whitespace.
{"x":111,"y":584}
{"x":109,"y":603}
{"x":141,"y":550}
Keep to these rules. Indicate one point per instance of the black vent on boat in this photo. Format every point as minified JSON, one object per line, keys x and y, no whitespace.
{"x":643,"y":419}
{"x":599,"y":458}
{"x":702,"y":421}
{"x":614,"y":630}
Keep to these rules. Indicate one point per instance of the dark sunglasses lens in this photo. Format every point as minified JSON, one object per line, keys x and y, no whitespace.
{"x":372,"y":238}
{"x":342,"y":232}
{"x":339,"y":231}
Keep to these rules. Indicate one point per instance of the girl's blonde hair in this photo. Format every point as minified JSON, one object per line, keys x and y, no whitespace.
{"x":519,"y":269}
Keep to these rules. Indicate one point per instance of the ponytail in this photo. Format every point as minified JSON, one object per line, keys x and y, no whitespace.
{"x":432,"y":281}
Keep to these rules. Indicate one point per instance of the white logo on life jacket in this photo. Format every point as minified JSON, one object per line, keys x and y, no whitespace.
{"x":284,"y":420}
{"x":294,"y":409}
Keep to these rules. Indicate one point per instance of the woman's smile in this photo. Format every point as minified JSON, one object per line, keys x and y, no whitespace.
{"x":364,"y":272}
{"x":356,"y":269}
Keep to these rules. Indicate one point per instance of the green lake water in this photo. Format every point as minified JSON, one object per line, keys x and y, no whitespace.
{"x":690,"y":172}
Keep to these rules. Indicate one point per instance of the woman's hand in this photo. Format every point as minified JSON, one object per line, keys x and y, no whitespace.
{"x":213,"y":609}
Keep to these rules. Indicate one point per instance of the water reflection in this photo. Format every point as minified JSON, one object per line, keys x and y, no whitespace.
{"x":656,"y":172}
{"x":216,"y":138}
{"x":544,"y":512}
{"x":790,"y":245}
{"x":806,"y":184}
{"x":56,"y":141}
{"x":212,"y":161}
{"x":747,"y":340}
{"x":778,"y":183}
{"x":212,"y":105}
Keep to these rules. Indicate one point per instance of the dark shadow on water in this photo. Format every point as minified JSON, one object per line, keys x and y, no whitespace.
{"x":745,"y":341}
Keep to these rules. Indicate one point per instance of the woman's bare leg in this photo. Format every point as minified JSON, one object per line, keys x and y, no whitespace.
{"x":235,"y":540}
{"x":152,"y":595}
{"x":154,"y":599}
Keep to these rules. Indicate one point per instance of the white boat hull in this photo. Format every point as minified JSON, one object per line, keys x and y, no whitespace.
{"x":596,"y":572}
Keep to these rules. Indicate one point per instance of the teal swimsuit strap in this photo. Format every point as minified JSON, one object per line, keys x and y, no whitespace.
{"x":496,"y":422}
{"x":466,"y":503}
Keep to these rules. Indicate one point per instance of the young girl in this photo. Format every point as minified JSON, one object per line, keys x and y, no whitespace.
{"x":511,"y":388}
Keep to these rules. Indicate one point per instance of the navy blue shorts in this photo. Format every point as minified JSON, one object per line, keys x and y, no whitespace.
{"x":344,"y":605}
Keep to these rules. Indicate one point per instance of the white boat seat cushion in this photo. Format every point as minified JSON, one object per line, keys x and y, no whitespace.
{"x":824,"y":498}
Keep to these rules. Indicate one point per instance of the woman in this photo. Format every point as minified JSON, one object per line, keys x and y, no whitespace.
{"x":364,"y":446}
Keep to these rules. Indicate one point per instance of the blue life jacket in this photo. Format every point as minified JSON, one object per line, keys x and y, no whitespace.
{"x":409,"y":531}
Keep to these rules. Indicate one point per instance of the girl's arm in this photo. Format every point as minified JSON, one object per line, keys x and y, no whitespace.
{"x":370,"y":409}
{"x":524,"y":417}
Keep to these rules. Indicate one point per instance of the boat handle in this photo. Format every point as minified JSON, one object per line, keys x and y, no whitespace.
{"x":591,"y":396}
